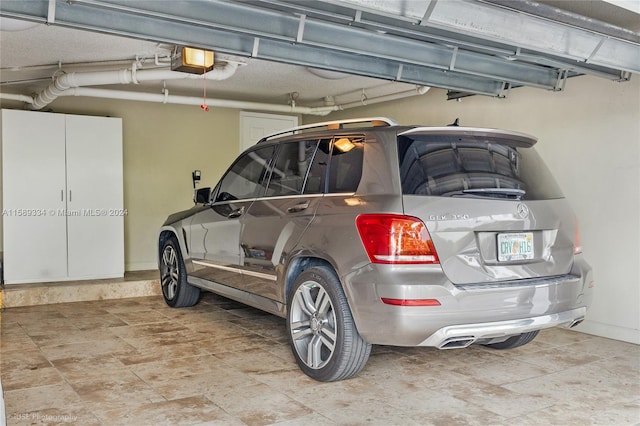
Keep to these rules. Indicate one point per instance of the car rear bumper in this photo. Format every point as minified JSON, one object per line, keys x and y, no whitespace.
{"x":463,"y":335}
{"x":486,"y":313}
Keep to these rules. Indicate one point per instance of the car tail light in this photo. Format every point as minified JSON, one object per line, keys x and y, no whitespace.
{"x":389,"y":238}
{"x":410,"y":302}
{"x":577,"y":244}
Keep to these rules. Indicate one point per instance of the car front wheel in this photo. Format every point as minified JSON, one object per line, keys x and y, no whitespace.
{"x":322,"y":332}
{"x":177,"y":292}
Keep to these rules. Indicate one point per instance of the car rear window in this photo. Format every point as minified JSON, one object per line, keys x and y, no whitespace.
{"x":472,"y":166}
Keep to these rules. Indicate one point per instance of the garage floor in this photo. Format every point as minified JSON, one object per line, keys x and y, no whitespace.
{"x":136,"y":361}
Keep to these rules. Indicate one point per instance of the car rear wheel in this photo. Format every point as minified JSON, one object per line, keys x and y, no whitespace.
{"x":177,"y":292}
{"x":515,"y":341}
{"x":322,"y":332}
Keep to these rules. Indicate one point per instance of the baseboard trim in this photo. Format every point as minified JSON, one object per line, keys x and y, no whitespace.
{"x":134,"y":284}
{"x":610,"y":331}
{"x":140,"y":266}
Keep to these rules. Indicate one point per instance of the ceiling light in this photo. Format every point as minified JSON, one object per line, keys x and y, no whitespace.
{"x":191,"y":60}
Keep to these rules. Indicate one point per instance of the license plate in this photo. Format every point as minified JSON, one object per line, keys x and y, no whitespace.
{"x":515,"y":246}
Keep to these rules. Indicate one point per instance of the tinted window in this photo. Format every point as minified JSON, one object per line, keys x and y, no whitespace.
{"x":247,"y":176}
{"x":345,"y":169}
{"x":461,"y":166}
{"x":317,"y":172}
{"x":290,"y":168}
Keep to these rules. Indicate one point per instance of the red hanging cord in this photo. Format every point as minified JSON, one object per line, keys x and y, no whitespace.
{"x":204,"y":106}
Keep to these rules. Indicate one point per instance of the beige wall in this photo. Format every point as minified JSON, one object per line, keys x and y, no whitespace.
{"x":589,"y":135}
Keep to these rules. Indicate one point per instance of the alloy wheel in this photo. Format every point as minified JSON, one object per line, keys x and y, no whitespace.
{"x":313,"y":324}
{"x":169,"y":272}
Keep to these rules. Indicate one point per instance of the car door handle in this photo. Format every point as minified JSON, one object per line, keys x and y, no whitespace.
{"x":298,"y":207}
{"x":236,"y":213}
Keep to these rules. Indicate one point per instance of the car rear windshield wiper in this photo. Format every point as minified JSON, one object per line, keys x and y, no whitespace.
{"x":511,"y":193}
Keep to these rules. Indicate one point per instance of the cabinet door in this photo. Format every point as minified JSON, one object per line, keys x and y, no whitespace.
{"x":33,"y":194}
{"x":95,"y":223}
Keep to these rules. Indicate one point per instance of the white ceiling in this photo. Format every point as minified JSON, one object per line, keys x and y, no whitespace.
{"x":31,"y":57}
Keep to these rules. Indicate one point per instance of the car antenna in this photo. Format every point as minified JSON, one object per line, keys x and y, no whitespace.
{"x":456,"y":123}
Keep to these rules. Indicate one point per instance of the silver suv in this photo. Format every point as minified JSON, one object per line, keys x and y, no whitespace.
{"x":364,"y":232}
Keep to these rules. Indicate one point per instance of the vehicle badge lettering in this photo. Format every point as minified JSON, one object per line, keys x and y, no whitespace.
{"x":449,"y":216}
{"x":523,"y":210}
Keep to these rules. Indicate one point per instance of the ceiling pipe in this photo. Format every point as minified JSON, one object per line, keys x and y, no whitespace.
{"x":68,"y":81}
{"x":15,"y":97}
{"x":224,"y":103}
{"x":77,"y":80}
{"x":166,"y":98}
{"x":419,"y":90}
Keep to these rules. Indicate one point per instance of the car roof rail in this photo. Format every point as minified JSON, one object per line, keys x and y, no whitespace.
{"x":335,"y":125}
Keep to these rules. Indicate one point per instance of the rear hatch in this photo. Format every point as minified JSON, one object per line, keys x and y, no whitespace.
{"x":492,"y":209}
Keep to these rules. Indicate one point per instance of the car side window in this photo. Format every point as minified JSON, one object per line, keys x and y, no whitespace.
{"x":316,"y":178}
{"x":345,"y":169}
{"x":247,"y":177}
{"x":290,"y":168}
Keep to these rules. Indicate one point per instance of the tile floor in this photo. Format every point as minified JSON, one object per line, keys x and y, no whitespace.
{"x":136,"y":361}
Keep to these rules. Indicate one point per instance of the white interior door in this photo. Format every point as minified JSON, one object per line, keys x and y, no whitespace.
{"x":95,"y":223}
{"x":255,"y":125}
{"x":33,"y":193}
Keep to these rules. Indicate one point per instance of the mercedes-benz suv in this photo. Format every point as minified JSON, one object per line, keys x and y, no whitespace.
{"x":363,"y":232}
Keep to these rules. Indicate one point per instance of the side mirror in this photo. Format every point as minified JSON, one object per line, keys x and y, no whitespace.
{"x":202,"y":196}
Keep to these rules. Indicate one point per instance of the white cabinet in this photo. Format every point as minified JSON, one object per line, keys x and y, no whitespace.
{"x":62,"y":193}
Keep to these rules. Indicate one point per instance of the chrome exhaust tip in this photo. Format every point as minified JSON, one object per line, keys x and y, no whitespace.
{"x":576,"y":322}
{"x":456,"y":342}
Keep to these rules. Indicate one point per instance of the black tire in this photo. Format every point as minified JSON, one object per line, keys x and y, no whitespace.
{"x":323,"y":336}
{"x":515,"y":341}
{"x":177,"y":292}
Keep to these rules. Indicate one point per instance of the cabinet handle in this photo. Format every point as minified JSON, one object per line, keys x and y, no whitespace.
{"x":70,"y":196}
